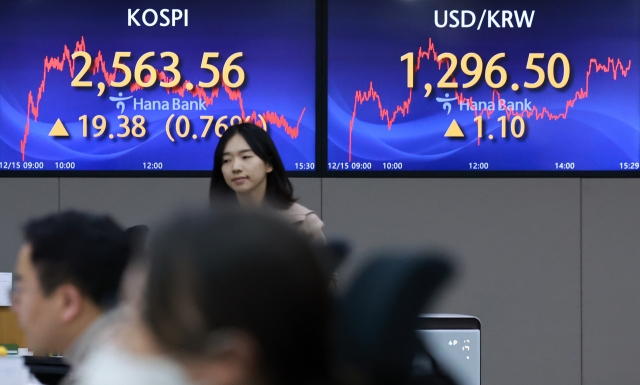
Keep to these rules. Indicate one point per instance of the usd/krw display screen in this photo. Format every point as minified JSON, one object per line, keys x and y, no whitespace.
{"x":151,"y":85}
{"x":488,"y":85}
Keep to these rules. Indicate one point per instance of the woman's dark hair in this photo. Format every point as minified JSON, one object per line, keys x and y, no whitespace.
{"x":245,"y":271}
{"x":279,"y":190}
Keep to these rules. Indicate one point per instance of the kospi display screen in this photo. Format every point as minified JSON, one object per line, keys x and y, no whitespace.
{"x":151,"y":85}
{"x":434,"y":85}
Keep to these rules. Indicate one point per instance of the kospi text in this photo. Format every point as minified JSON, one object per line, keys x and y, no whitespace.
{"x":149,"y":17}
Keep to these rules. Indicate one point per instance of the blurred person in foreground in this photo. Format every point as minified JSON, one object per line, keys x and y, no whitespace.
{"x":66,"y":282}
{"x":131,"y":356}
{"x":238,"y":297}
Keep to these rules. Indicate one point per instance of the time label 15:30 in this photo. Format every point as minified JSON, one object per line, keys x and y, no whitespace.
{"x":309,"y":166}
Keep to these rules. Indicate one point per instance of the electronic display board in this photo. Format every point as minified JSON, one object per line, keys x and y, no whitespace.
{"x":150,"y":85}
{"x":524,"y":86}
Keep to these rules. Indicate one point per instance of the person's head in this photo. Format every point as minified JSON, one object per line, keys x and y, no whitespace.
{"x":67,"y":274}
{"x":239,"y":297}
{"x":247,"y":166}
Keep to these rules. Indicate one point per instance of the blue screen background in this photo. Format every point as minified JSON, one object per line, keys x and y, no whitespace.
{"x":367,"y":40}
{"x":279,"y":53}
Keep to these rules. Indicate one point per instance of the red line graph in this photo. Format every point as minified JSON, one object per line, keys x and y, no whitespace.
{"x":99,"y":65}
{"x":371,"y":94}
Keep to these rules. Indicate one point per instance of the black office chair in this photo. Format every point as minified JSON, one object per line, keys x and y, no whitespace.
{"x":137,"y":237}
{"x":376,"y":339}
{"x":335,"y":253}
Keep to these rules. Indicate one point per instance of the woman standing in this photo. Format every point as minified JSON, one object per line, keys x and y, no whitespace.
{"x":247,"y":170}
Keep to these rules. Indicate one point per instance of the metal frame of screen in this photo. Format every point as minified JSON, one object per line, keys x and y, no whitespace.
{"x":325,"y":172}
{"x":321,"y":169}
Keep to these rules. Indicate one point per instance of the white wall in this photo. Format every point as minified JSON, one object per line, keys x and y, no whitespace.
{"x":549,"y":265}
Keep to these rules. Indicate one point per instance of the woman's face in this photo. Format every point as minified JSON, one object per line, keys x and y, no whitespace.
{"x":242,"y":169}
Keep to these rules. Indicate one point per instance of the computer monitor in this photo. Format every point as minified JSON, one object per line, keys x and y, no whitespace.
{"x":454,"y":343}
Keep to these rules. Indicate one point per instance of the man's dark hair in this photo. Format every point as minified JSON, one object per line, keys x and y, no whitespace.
{"x":279,"y":189}
{"x":87,"y":251}
{"x":244,"y":271}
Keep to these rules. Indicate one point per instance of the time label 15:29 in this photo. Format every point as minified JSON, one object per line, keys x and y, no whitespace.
{"x":629,"y":166}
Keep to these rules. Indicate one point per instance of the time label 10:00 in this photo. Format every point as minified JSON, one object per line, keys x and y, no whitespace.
{"x":152,"y":74}
{"x":491,"y":69}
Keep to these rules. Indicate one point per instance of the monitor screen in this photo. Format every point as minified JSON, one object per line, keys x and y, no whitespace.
{"x":454,"y":344}
{"x":151,"y":85}
{"x":492,"y":85}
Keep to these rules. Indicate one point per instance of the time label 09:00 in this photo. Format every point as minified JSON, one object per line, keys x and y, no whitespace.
{"x":21,"y":165}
